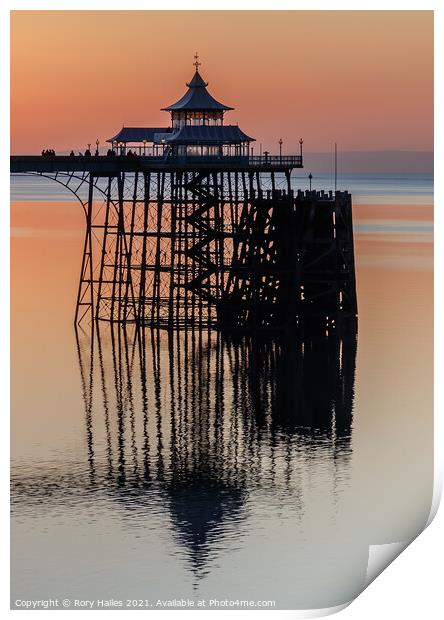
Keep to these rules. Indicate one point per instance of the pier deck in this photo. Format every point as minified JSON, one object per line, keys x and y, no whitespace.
{"x":104,"y":165}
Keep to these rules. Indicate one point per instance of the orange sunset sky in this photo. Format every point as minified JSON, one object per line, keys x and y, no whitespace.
{"x":362,"y":78}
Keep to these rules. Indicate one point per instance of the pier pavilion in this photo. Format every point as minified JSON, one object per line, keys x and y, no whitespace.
{"x":197,"y":129}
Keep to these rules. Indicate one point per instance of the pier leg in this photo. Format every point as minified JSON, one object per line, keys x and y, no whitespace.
{"x":85,"y":293}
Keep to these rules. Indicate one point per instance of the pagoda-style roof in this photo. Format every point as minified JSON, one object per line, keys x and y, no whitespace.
{"x":138,"y":134}
{"x":209,"y":134}
{"x":197,"y":98}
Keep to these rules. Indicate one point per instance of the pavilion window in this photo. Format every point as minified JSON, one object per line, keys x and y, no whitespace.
{"x":178,"y":119}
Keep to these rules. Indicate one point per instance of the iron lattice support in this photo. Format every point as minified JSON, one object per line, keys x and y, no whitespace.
{"x":232,"y":249}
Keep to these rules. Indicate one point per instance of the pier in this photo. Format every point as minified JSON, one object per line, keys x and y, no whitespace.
{"x":185,"y":226}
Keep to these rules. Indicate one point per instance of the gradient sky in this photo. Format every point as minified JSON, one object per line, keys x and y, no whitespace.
{"x":363,"y":79}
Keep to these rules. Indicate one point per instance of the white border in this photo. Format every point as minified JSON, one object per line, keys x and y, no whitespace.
{"x":411,"y":587}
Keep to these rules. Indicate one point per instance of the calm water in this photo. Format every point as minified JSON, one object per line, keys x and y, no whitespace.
{"x":199,"y":468}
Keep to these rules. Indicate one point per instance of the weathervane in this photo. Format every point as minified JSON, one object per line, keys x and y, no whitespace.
{"x":196,"y":62}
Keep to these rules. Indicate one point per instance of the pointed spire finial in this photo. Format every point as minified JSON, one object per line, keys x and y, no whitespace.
{"x":196,"y":62}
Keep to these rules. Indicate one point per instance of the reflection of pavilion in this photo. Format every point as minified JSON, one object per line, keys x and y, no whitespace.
{"x":205,"y":421}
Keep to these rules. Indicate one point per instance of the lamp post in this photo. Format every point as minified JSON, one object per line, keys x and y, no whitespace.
{"x":281,"y":142}
{"x":310,"y":176}
{"x":144,"y":147}
{"x":97,"y":146}
{"x":301,"y":142}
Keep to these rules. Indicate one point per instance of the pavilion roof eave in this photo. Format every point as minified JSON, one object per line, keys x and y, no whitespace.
{"x":209,"y":134}
{"x":211,"y":143}
{"x":196,"y":108}
{"x":138,"y":134}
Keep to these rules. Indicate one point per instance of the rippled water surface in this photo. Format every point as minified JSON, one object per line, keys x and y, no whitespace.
{"x":192,"y":466}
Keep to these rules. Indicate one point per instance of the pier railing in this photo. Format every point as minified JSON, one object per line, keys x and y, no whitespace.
{"x":276,"y":160}
{"x":294,"y":161}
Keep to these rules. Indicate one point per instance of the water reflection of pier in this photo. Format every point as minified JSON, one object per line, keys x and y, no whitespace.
{"x":207,"y":420}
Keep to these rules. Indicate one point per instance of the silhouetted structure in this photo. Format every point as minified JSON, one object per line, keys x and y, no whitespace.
{"x":185,"y":226}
